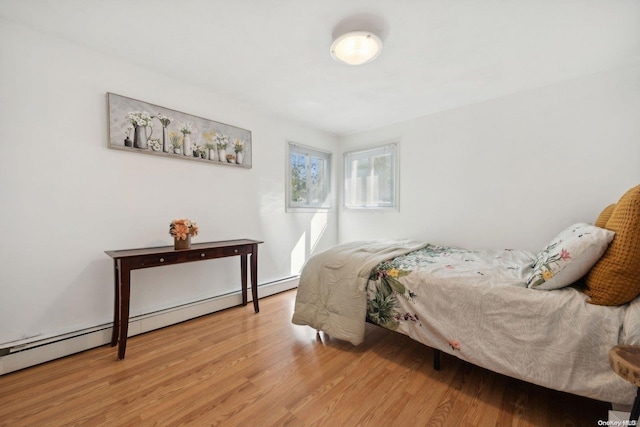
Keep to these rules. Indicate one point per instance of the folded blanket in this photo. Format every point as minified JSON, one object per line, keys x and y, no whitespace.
{"x":331,"y":293}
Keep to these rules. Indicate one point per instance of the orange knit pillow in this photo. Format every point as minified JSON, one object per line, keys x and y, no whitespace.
{"x":604,"y":216}
{"x":615,"y":279}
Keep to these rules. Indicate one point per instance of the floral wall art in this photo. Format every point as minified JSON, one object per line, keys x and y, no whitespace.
{"x":141,"y":127}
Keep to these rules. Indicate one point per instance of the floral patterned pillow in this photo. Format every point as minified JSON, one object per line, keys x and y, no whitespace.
{"x":569,"y":256}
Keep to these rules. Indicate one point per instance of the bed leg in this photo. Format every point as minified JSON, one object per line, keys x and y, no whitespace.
{"x":635,"y":411}
{"x":436,"y":359}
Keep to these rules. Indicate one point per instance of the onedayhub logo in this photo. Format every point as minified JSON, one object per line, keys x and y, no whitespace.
{"x":617,"y":423}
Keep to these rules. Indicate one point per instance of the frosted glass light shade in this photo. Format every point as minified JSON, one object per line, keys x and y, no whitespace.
{"x":356,"y":47}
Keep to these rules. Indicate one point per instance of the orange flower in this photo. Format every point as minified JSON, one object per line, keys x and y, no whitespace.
{"x":181,"y":231}
{"x":181,"y":228}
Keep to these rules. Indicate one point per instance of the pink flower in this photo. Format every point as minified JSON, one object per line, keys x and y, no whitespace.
{"x":454,"y":344}
{"x":565,"y":255}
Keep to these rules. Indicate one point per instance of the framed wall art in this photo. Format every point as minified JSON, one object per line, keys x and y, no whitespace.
{"x":140,"y":127}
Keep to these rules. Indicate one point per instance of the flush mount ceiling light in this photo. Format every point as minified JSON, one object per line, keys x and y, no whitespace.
{"x":356,"y":47}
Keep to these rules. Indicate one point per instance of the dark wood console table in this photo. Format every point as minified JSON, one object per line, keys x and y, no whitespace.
{"x":132,"y":259}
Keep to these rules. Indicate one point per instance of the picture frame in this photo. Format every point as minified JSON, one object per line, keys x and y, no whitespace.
{"x":141,"y":127}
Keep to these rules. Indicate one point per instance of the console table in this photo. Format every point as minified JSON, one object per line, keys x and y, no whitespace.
{"x":132,"y":259}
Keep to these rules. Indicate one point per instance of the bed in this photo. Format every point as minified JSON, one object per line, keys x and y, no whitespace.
{"x":536,"y":317}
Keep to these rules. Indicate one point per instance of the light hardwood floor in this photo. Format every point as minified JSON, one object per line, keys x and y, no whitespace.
{"x":239,"y":368}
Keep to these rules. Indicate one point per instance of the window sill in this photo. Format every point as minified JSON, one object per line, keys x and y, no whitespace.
{"x":307,"y":209}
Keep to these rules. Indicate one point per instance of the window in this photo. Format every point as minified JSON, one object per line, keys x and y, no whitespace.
{"x":308,"y":178}
{"x":370,"y":178}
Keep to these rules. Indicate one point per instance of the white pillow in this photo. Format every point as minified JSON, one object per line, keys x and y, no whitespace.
{"x":569,"y":256}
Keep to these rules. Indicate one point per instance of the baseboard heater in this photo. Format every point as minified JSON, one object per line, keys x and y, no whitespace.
{"x":30,"y":352}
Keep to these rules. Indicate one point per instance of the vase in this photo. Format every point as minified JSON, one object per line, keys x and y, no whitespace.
{"x":239,"y":157}
{"x":186,"y":145}
{"x":182,"y":244}
{"x":177,"y":150}
{"x":140,"y":137}
{"x":128,"y":142}
{"x":212,"y":154}
{"x":165,"y":140}
{"x":222,"y":155}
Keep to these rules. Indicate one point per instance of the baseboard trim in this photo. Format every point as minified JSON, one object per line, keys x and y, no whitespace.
{"x":26,"y":354}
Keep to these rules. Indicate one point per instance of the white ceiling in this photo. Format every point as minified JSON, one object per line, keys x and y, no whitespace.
{"x":274,"y":55}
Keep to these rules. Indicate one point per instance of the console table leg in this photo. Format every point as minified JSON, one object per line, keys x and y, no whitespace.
{"x":254,"y":278}
{"x":243,"y":274}
{"x":125,"y":293}
{"x":116,"y":304}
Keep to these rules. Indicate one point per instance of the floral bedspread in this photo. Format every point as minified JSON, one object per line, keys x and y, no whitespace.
{"x":475,"y":305}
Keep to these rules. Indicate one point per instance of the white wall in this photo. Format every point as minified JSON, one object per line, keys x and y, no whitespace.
{"x":66,"y":197}
{"x":510,"y":172}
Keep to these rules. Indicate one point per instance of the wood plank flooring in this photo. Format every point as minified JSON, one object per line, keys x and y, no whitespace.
{"x":237,"y":368}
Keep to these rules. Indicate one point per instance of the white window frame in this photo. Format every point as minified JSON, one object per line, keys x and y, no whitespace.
{"x":306,"y":206}
{"x":370,"y":153}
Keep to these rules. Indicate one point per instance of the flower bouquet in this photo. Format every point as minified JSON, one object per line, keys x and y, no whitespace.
{"x":221,"y":144}
{"x":238,"y":146}
{"x":176,"y":142}
{"x":165,"y":120}
{"x":139,"y":118}
{"x":181,"y":230}
{"x":140,"y":121}
{"x":186,"y":128}
{"x":222,"y":141}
